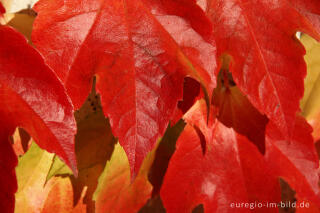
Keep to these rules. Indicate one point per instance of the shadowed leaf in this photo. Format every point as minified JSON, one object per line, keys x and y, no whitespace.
{"x":94,"y":144}
{"x":115,"y":192}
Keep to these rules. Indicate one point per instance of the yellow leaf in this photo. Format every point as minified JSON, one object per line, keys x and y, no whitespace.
{"x":94,"y":145}
{"x":60,"y":197}
{"x":310,"y":104}
{"x":31,"y":174}
{"x":36,"y":196}
{"x":115,"y":192}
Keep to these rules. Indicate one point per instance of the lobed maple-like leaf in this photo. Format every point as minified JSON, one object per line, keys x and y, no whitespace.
{"x":229,"y":170}
{"x":136,"y":50}
{"x":267,"y":59}
{"x":33,"y":98}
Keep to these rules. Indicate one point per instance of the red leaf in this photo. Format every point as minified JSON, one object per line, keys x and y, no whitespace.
{"x":267,"y":62}
{"x":2,"y":9}
{"x":25,"y":139}
{"x":315,"y":123}
{"x":310,"y":10}
{"x":191,"y":93}
{"x":33,"y":98}
{"x":163,"y":154}
{"x":296,"y":160}
{"x":8,"y":162}
{"x":231,"y":171}
{"x":138,"y":54}
{"x":237,"y":112}
{"x":116,"y":193}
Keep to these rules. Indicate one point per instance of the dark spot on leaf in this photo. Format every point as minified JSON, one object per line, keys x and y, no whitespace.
{"x":202,"y":139}
{"x":198,"y":209}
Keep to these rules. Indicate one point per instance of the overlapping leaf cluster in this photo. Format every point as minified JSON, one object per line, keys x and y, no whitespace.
{"x":159,"y":106}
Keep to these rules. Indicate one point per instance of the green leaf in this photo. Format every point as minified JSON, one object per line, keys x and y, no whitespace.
{"x":31,"y":172}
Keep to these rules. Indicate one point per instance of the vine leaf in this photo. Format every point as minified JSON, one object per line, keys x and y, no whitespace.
{"x":32,"y":97}
{"x":267,"y":59}
{"x":235,"y":110}
{"x":310,"y":104}
{"x":136,"y":50}
{"x":116,"y":192}
{"x":296,"y":161}
{"x":94,"y":144}
{"x":34,"y":194}
{"x":230,"y":161}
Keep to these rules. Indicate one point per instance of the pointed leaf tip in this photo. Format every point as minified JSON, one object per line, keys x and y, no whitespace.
{"x":267,"y":63}
{"x":139,"y":66}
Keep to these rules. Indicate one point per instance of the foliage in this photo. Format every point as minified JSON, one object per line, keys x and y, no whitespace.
{"x":159,"y":106}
